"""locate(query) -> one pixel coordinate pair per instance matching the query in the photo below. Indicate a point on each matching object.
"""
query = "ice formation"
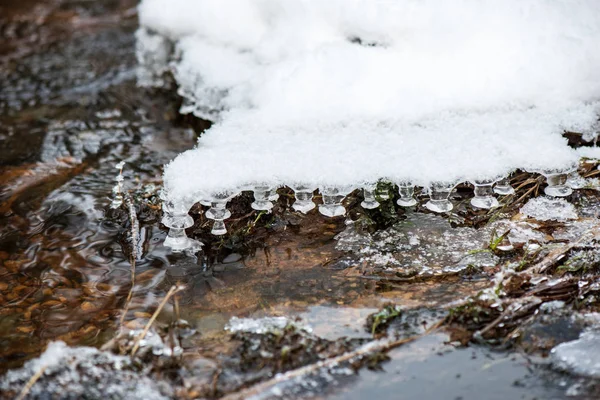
(549, 209)
(336, 95)
(260, 325)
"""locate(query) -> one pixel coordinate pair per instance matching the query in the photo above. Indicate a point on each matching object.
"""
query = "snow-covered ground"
(344, 92)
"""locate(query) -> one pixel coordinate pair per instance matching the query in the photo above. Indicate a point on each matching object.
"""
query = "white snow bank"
(341, 92)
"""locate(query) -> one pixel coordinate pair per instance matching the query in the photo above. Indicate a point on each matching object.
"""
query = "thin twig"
(174, 289)
(31, 382)
(133, 256)
(525, 183)
(593, 173)
(369, 348)
(527, 193)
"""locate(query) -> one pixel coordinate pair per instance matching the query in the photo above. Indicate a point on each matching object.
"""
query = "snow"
(581, 356)
(589, 152)
(342, 93)
(549, 209)
(84, 372)
(260, 325)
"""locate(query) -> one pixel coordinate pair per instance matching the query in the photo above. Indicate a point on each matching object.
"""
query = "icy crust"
(153, 53)
(549, 209)
(260, 326)
(338, 93)
(83, 372)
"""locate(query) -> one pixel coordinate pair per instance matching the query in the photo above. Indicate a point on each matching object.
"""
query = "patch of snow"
(549, 209)
(589, 152)
(257, 325)
(341, 93)
(84, 372)
(581, 356)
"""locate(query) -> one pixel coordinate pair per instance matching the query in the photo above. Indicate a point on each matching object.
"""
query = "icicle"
(438, 201)
(118, 188)
(219, 212)
(503, 187)
(484, 194)
(262, 197)
(576, 181)
(177, 219)
(407, 192)
(557, 184)
(273, 197)
(332, 201)
(304, 198)
(369, 193)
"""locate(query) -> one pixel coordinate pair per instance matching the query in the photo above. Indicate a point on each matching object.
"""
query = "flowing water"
(70, 111)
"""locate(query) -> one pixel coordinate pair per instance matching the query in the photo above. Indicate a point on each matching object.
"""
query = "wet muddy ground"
(282, 291)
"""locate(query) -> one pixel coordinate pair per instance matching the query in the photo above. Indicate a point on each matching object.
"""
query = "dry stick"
(174, 289)
(593, 173)
(524, 310)
(527, 193)
(31, 382)
(371, 347)
(525, 183)
(133, 256)
(554, 256)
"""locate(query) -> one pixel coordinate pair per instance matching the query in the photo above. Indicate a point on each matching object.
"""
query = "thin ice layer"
(341, 92)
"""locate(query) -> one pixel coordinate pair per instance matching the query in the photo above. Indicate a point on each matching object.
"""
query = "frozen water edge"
(424, 99)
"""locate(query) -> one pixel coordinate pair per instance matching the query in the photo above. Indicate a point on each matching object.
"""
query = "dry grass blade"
(591, 174)
(31, 382)
(174, 289)
(529, 191)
